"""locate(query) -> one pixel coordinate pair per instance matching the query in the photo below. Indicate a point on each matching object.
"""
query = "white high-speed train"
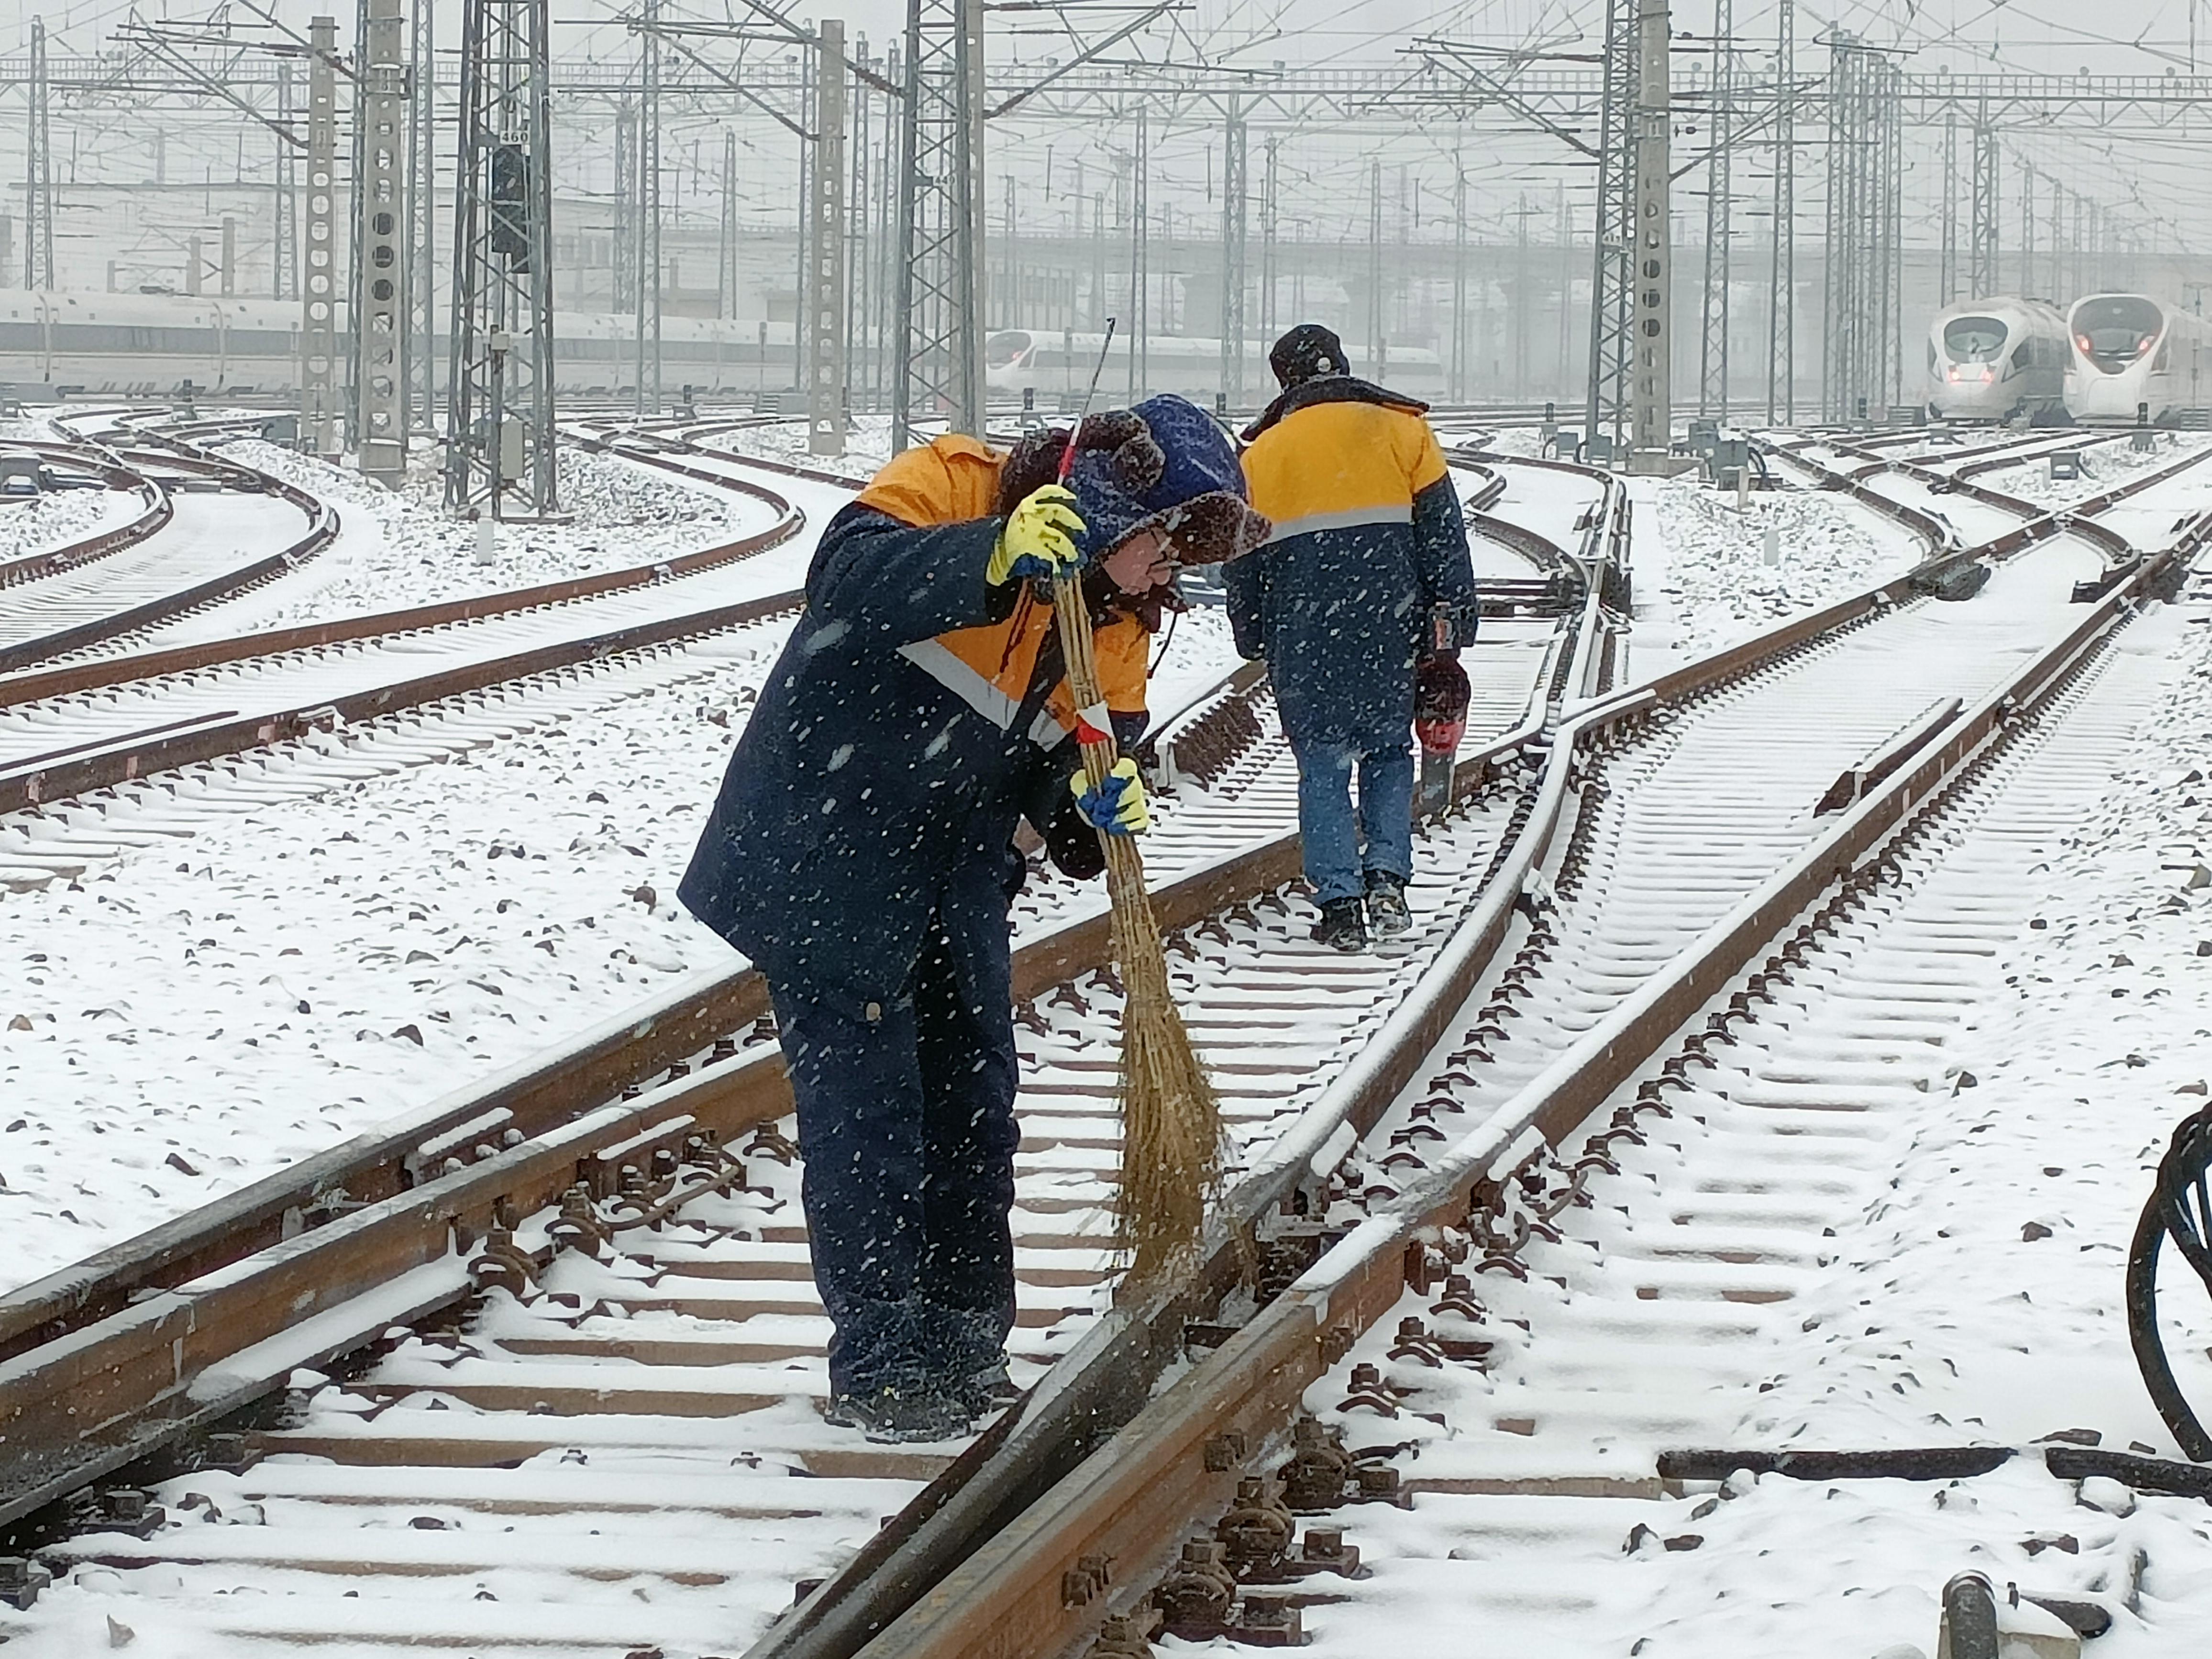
(1995, 359)
(108, 345)
(1053, 362)
(2134, 357)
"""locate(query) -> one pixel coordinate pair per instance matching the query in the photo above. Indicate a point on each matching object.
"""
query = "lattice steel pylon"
(938, 357)
(1984, 277)
(1613, 245)
(1782, 272)
(1713, 336)
(38, 170)
(380, 304)
(1859, 366)
(1233, 190)
(1947, 283)
(646, 262)
(499, 405)
(284, 257)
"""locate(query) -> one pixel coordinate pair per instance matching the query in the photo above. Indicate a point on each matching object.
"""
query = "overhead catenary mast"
(381, 308)
(499, 410)
(938, 355)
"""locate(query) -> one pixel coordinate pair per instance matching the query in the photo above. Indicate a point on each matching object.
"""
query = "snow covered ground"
(867, 445)
(2102, 467)
(190, 1019)
(1707, 575)
(37, 523)
(399, 549)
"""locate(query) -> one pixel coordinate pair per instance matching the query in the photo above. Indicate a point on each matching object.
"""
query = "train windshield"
(2114, 332)
(1005, 349)
(1974, 339)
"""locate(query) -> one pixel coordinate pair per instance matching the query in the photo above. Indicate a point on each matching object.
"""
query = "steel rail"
(99, 1372)
(154, 514)
(119, 1355)
(128, 758)
(968, 1517)
(2040, 523)
(322, 528)
(1093, 1544)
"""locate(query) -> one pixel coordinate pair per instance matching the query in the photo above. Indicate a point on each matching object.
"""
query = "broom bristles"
(1170, 1117)
(1170, 1120)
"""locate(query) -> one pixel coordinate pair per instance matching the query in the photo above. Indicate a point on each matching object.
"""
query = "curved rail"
(113, 760)
(1091, 1549)
(154, 514)
(122, 1301)
(166, 1362)
(179, 457)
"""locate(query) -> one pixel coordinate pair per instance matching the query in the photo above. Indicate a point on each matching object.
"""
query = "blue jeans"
(1342, 846)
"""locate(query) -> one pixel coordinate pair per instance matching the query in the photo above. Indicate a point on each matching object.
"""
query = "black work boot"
(897, 1416)
(1386, 905)
(1343, 924)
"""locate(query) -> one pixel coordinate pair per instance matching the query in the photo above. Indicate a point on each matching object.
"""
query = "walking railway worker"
(861, 853)
(1365, 578)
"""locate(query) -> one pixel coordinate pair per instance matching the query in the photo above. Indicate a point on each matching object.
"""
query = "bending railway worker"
(861, 853)
(1366, 575)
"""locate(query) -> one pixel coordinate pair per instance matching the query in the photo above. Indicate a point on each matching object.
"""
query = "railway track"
(1397, 1372)
(712, 1294)
(310, 707)
(211, 530)
(1249, 975)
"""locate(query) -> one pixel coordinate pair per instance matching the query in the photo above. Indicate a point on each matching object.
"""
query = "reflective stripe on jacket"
(951, 480)
(880, 770)
(1369, 539)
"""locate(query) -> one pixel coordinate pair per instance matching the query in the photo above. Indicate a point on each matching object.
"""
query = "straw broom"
(1170, 1118)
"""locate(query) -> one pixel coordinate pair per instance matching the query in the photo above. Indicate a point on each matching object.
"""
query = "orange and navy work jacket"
(955, 479)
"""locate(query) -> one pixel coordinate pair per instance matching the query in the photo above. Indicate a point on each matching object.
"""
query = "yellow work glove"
(1037, 538)
(1118, 806)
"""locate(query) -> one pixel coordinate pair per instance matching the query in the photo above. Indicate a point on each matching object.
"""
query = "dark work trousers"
(906, 1120)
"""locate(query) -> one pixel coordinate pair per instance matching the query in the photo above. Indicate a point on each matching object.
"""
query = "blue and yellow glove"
(1118, 806)
(1038, 538)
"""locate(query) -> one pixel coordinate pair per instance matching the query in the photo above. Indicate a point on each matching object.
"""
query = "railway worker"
(861, 853)
(1366, 575)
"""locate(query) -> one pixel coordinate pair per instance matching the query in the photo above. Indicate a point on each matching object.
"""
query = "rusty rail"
(322, 528)
(1090, 1546)
(105, 1361)
(76, 771)
(155, 515)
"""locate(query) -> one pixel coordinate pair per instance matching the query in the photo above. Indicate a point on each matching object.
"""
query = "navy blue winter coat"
(1368, 538)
